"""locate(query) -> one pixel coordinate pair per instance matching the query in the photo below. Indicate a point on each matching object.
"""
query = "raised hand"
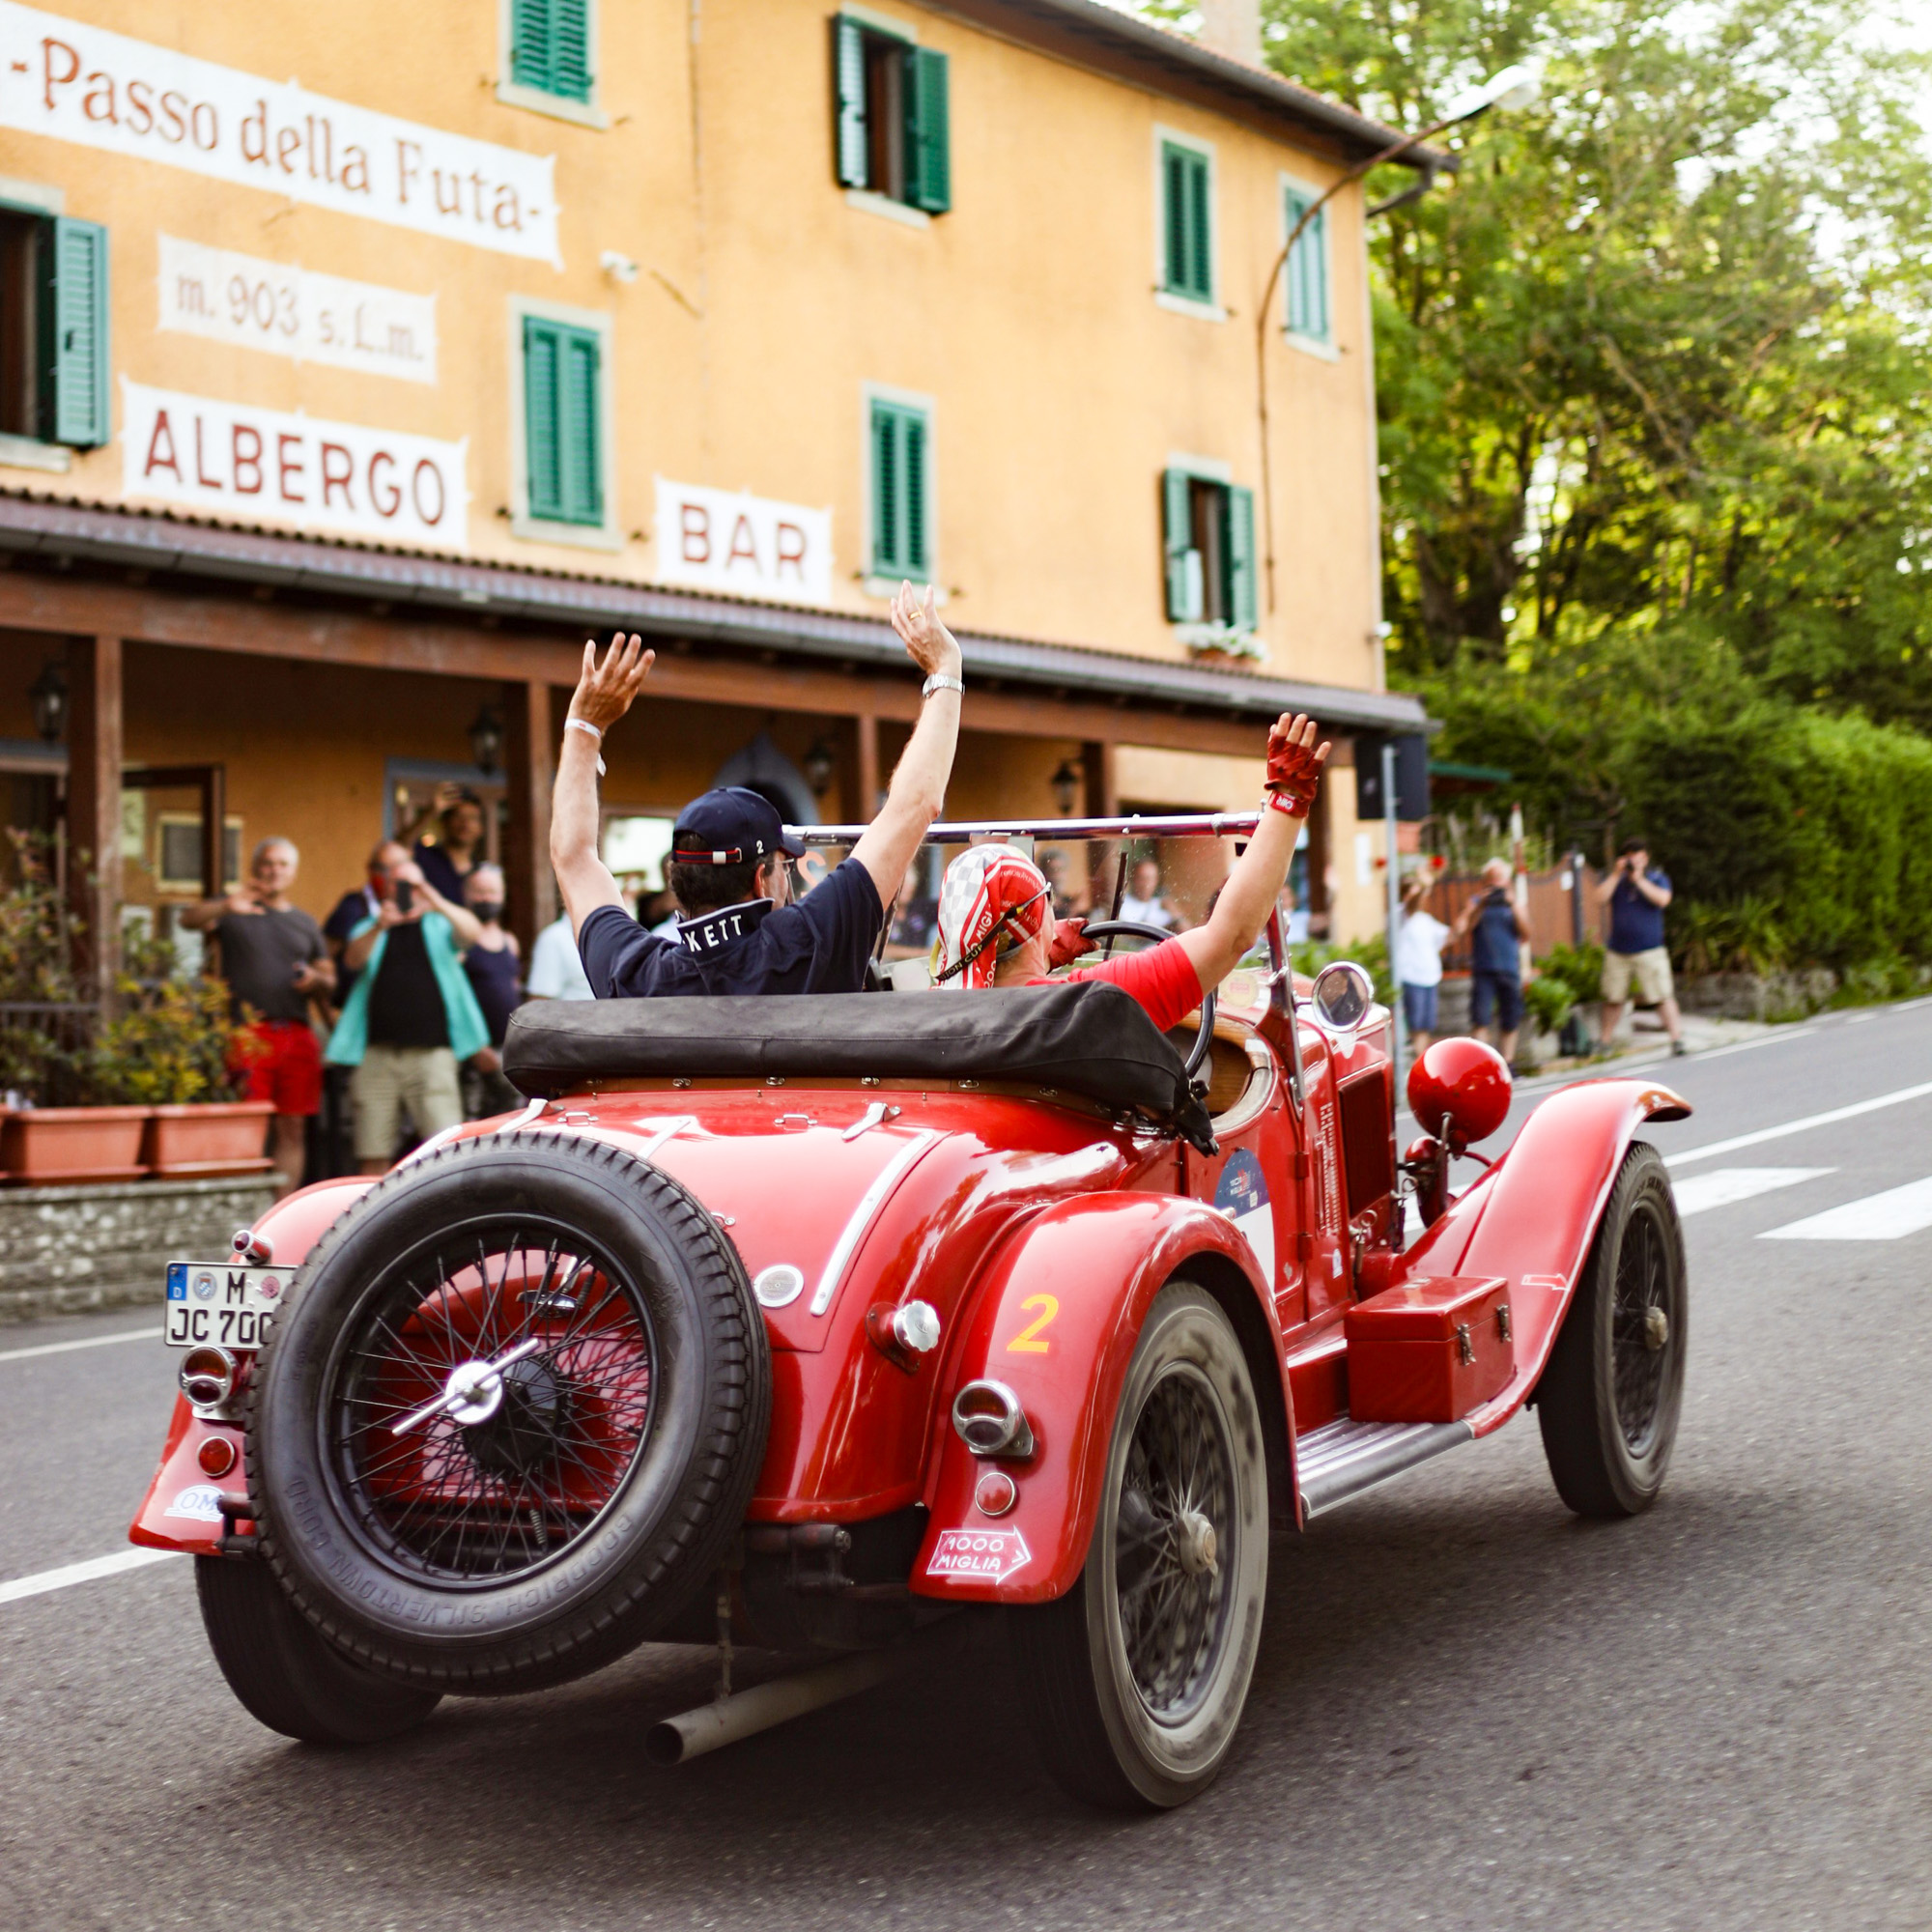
(933, 647)
(1295, 763)
(1069, 942)
(605, 690)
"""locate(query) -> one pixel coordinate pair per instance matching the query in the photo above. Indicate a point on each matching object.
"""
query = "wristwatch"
(940, 681)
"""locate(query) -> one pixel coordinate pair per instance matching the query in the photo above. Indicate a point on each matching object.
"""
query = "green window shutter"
(902, 492)
(848, 101)
(549, 46)
(1187, 224)
(1241, 559)
(74, 406)
(562, 422)
(1182, 560)
(1306, 290)
(928, 162)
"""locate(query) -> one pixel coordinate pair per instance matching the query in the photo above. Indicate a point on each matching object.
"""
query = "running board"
(1342, 1459)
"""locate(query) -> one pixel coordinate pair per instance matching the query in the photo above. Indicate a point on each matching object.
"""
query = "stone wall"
(1758, 996)
(66, 1249)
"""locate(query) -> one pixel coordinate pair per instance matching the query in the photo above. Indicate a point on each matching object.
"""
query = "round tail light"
(217, 1456)
(990, 1421)
(207, 1377)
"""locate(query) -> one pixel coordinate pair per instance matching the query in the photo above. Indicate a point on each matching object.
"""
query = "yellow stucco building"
(355, 362)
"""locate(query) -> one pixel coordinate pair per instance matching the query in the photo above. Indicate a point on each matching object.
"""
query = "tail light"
(990, 1421)
(208, 1377)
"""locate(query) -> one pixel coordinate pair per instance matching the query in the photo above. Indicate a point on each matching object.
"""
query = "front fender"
(1533, 1216)
(1056, 1322)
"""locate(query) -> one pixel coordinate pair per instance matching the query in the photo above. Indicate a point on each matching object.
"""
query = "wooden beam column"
(530, 766)
(94, 742)
(1101, 798)
(864, 808)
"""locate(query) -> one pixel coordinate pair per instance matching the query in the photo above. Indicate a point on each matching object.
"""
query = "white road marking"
(92, 1342)
(1859, 1020)
(83, 1573)
(1799, 1127)
(1725, 1185)
(1879, 1217)
(1702, 1054)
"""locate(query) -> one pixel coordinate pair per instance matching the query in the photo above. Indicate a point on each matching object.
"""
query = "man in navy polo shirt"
(739, 929)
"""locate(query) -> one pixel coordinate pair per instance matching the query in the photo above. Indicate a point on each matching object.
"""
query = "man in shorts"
(1495, 957)
(274, 961)
(1637, 893)
(996, 927)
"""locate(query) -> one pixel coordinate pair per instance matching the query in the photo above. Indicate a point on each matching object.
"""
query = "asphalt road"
(1470, 1710)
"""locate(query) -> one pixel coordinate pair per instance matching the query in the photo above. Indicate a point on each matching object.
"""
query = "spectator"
(494, 967)
(556, 972)
(274, 961)
(457, 849)
(1495, 986)
(411, 1016)
(1419, 941)
(353, 910)
(1637, 893)
(1143, 901)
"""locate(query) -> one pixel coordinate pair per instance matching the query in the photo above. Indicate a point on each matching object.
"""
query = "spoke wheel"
(517, 1463)
(1135, 1680)
(1609, 1399)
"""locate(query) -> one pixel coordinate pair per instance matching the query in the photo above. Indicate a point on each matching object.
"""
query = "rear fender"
(1056, 1322)
(1533, 1216)
(298, 1220)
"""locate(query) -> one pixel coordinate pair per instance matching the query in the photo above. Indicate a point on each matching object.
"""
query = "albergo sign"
(75, 82)
(265, 465)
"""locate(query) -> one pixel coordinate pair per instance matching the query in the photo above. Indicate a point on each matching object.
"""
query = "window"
(563, 425)
(1210, 531)
(890, 108)
(548, 49)
(53, 329)
(1306, 280)
(901, 490)
(1187, 221)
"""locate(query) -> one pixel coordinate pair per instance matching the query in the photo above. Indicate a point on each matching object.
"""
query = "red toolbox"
(1431, 1351)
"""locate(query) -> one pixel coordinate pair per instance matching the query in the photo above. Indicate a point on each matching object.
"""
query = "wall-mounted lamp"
(1066, 783)
(819, 767)
(48, 694)
(486, 741)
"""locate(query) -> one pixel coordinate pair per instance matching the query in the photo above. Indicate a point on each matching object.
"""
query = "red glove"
(1294, 771)
(1068, 943)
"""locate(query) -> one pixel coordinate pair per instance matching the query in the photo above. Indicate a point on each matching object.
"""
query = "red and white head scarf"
(992, 899)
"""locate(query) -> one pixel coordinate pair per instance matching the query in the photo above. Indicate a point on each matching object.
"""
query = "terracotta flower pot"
(207, 1137)
(45, 1145)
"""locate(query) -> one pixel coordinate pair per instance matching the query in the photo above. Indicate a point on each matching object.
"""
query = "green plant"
(1577, 969)
(1371, 954)
(1547, 1002)
(171, 1039)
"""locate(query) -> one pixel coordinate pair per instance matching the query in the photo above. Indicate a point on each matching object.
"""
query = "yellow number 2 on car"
(1027, 1341)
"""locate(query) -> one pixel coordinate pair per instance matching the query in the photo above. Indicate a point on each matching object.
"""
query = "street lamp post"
(1513, 87)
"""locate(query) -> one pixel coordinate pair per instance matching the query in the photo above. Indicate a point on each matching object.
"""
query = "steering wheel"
(1133, 929)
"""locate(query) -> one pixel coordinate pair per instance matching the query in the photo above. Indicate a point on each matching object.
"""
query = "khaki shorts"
(421, 1078)
(1650, 970)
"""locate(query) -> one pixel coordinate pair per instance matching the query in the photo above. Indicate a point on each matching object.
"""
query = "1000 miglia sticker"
(1243, 1196)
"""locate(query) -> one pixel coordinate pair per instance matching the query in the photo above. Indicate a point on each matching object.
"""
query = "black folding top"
(1091, 1039)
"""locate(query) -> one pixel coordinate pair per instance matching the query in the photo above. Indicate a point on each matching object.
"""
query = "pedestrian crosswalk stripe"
(1724, 1185)
(1879, 1217)
(81, 1572)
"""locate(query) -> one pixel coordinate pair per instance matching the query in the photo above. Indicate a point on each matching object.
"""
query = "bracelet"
(940, 681)
(585, 724)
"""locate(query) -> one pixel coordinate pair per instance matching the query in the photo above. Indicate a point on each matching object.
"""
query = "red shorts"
(279, 1061)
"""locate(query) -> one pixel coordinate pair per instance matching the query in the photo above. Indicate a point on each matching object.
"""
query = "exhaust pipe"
(746, 1713)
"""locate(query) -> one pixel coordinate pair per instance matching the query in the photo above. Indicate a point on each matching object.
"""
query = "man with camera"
(1637, 893)
(1495, 957)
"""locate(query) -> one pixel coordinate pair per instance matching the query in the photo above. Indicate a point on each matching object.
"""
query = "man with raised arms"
(739, 928)
(996, 925)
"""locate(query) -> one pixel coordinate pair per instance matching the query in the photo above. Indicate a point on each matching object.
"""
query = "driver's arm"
(917, 788)
(604, 694)
(1216, 946)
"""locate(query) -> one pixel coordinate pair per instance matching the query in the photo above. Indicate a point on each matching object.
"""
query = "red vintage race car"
(812, 1322)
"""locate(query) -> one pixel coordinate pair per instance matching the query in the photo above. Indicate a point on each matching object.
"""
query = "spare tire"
(509, 1421)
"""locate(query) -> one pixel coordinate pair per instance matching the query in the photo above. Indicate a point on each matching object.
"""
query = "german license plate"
(217, 1303)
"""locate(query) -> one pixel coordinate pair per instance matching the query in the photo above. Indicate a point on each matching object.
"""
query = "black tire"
(286, 1673)
(539, 1532)
(1142, 1719)
(1609, 1399)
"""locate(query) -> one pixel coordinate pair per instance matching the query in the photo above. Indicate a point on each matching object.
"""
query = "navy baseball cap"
(730, 826)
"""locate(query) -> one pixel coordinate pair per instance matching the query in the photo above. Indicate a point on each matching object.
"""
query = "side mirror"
(1343, 997)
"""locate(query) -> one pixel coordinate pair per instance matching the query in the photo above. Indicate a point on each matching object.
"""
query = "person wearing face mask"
(494, 967)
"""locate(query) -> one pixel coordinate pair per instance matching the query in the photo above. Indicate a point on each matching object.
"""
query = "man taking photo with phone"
(1637, 893)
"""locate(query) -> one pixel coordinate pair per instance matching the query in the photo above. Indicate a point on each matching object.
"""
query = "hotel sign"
(742, 546)
(235, 462)
(77, 82)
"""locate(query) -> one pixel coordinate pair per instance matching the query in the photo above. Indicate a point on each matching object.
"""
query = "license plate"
(216, 1302)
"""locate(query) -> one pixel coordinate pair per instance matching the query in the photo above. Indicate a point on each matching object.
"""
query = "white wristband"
(585, 724)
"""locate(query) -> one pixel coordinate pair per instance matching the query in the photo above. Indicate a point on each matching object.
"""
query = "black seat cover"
(1090, 1039)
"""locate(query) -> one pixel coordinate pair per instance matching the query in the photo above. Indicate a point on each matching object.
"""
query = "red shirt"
(1162, 978)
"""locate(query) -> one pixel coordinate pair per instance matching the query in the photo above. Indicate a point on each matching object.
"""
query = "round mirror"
(1343, 995)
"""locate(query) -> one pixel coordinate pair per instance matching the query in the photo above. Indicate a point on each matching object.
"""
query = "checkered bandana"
(992, 899)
